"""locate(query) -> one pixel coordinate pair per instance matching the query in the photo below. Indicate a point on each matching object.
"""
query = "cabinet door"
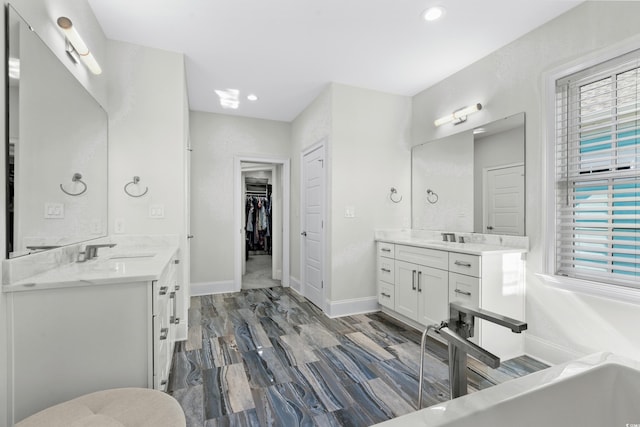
(433, 291)
(466, 290)
(406, 289)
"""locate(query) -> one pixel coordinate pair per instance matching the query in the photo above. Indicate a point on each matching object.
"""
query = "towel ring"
(394, 191)
(432, 196)
(77, 177)
(136, 180)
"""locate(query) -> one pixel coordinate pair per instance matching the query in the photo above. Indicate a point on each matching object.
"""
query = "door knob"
(190, 236)
(304, 233)
(489, 227)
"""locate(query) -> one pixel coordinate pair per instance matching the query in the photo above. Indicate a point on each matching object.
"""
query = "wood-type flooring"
(269, 357)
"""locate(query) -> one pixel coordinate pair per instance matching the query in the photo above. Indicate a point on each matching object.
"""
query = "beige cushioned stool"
(139, 407)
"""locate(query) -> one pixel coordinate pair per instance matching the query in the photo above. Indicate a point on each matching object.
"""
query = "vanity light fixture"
(75, 43)
(458, 116)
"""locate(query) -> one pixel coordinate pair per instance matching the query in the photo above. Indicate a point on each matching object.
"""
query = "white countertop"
(113, 265)
(426, 240)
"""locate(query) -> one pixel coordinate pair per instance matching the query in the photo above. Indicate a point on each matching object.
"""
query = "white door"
(312, 235)
(504, 202)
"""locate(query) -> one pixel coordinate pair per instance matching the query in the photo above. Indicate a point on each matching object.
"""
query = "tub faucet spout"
(457, 331)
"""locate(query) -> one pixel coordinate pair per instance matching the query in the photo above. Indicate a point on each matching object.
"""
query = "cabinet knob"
(176, 261)
(163, 290)
(385, 295)
(386, 270)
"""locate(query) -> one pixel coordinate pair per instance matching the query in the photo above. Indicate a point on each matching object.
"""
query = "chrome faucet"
(91, 251)
(456, 331)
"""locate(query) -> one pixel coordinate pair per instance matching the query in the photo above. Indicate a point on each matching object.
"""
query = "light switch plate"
(54, 210)
(350, 212)
(156, 211)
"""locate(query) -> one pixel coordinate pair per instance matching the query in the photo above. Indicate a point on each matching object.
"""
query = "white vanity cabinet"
(75, 338)
(425, 280)
(421, 283)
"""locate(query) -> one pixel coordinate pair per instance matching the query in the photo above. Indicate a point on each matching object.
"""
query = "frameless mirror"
(472, 181)
(56, 149)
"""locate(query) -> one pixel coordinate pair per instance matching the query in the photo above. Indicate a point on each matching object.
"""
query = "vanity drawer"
(386, 295)
(423, 256)
(386, 250)
(464, 264)
(464, 289)
(386, 271)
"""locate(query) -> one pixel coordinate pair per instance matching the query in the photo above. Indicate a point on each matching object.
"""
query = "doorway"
(262, 210)
(262, 219)
(312, 202)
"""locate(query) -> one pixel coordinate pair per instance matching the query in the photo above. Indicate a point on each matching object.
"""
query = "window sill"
(613, 292)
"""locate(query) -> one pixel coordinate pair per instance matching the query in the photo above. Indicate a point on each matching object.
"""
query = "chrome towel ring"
(136, 180)
(432, 197)
(77, 177)
(394, 192)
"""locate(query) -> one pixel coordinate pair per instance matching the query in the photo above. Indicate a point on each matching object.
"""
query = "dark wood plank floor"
(268, 357)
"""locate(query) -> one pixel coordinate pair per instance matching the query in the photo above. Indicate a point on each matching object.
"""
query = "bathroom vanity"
(418, 276)
(86, 326)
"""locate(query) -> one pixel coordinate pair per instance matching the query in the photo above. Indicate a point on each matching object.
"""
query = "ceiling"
(287, 51)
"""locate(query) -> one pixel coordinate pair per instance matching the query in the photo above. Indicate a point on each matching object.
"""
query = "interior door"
(312, 235)
(504, 204)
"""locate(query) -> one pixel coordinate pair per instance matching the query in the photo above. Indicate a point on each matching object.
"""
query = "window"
(598, 173)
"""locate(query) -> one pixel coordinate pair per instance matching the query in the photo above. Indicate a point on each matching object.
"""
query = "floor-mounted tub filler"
(600, 390)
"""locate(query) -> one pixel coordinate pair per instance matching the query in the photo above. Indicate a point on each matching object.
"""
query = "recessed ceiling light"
(252, 97)
(433, 13)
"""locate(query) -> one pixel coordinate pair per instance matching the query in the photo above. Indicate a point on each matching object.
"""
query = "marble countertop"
(475, 244)
(113, 265)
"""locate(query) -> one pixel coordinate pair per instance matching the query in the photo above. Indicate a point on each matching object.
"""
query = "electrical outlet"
(118, 227)
(156, 211)
(349, 212)
(54, 210)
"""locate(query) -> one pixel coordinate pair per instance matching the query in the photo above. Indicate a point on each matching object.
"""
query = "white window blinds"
(597, 173)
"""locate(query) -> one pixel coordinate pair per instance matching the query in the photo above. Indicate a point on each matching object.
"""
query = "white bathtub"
(601, 390)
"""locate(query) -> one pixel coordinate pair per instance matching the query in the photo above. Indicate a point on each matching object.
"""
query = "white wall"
(146, 138)
(369, 154)
(311, 126)
(216, 140)
(561, 324)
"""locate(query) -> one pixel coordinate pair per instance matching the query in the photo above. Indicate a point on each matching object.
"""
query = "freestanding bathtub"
(600, 390)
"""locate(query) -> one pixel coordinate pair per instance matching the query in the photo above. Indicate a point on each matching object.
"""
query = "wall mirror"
(472, 181)
(56, 149)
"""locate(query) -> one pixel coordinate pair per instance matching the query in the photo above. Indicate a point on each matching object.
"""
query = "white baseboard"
(547, 351)
(208, 288)
(295, 285)
(350, 307)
